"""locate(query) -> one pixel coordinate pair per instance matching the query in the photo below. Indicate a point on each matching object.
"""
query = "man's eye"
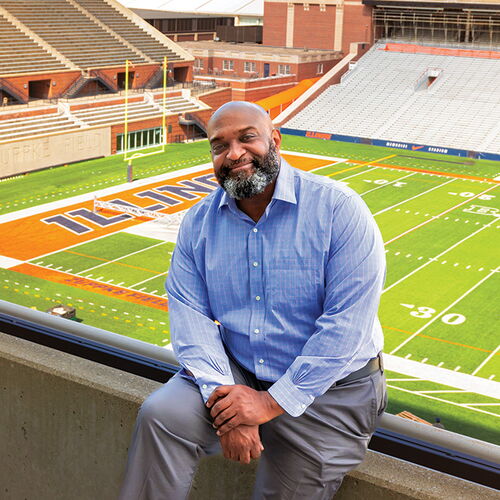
(247, 137)
(217, 148)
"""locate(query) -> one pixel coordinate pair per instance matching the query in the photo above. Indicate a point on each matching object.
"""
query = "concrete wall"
(57, 149)
(65, 425)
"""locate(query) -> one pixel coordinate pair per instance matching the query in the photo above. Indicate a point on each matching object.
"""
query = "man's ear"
(276, 138)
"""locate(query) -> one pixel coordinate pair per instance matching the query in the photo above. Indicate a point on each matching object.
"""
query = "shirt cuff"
(208, 386)
(289, 396)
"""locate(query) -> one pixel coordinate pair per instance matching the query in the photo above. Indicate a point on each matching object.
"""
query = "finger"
(217, 393)
(228, 425)
(245, 457)
(221, 405)
(227, 414)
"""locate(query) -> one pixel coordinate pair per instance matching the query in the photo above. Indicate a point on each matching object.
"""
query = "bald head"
(239, 110)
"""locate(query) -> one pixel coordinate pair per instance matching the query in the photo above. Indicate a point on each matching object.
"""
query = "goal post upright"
(128, 159)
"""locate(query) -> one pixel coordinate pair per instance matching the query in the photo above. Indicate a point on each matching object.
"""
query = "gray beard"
(241, 186)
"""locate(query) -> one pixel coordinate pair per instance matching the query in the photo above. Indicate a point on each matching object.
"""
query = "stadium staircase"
(382, 99)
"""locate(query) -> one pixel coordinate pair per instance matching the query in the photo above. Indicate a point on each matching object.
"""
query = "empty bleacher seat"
(381, 100)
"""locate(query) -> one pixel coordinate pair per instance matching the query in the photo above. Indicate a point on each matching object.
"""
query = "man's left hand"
(233, 405)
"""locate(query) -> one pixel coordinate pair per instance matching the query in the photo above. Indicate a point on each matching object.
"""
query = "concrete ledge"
(65, 426)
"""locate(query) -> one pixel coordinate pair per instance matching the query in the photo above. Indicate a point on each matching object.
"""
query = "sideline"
(464, 381)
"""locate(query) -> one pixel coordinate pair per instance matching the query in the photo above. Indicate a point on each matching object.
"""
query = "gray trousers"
(305, 457)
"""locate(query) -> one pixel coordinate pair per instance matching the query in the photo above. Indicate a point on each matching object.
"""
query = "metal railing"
(16, 314)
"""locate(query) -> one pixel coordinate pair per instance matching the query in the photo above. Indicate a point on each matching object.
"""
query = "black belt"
(372, 366)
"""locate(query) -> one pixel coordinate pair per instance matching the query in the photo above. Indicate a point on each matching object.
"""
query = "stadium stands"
(32, 126)
(21, 55)
(141, 110)
(67, 117)
(382, 97)
(126, 28)
(78, 37)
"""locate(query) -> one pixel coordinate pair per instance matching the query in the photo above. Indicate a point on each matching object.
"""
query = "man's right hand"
(242, 443)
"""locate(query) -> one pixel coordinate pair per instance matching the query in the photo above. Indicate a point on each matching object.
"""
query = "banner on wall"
(391, 144)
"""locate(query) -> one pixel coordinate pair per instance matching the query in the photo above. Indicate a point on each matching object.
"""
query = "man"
(273, 292)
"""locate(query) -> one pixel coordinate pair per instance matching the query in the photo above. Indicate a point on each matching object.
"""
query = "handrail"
(441, 437)
(6, 85)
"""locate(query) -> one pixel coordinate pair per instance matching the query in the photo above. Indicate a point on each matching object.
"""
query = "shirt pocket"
(294, 281)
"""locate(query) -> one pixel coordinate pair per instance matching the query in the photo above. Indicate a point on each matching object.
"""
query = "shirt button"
(257, 298)
(303, 406)
(261, 361)
(255, 230)
(204, 386)
(255, 264)
(256, 330)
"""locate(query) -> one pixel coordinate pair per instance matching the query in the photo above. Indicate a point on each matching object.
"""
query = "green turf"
(62, 182)
(414, 159)
(455, 418)
(448, 255)
(108, 313)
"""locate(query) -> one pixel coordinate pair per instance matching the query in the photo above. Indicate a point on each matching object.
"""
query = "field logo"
(415, 148)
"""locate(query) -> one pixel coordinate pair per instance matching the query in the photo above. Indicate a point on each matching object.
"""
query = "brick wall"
(357, 25)
(313, 28)
(62, 82)
(26, 114)
(310, 70)
(217, 98)
(274, 32)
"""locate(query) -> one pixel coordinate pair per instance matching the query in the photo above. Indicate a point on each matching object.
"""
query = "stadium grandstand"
(445, 98)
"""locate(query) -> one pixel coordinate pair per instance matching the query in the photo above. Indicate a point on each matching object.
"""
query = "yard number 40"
(428, 312)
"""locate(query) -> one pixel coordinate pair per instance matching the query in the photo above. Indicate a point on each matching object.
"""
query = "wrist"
(274, 408)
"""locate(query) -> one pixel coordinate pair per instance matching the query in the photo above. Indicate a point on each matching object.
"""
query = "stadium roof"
(227, 7)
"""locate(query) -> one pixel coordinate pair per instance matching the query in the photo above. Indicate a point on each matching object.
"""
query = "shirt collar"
(284, 189)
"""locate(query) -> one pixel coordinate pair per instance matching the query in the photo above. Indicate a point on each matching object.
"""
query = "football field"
(440, 224)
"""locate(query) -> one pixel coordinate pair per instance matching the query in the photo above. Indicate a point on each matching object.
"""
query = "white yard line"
(413, 197)
(480, 404)
(457, 380)
(104, 283)
(122, 257)
(438, 316)
(433, 259)
(359, 173)
(152, 277)
(443, 391)
(434, 217)
(387, 184)
(443, 400)
(486, 360)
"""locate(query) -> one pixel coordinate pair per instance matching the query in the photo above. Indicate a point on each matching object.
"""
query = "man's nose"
(235, 150)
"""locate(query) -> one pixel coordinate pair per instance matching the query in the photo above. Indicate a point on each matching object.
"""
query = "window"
(250, 67)
(322, 7)
(227, 65)
(306, 6)
(198, 63)
(283, 69)
(140, 139)
(319, 69)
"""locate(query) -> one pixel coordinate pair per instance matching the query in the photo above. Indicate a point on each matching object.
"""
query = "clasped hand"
(237, 411)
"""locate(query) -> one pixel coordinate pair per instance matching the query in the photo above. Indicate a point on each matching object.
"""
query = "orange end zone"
(30, 237)
(117, 292)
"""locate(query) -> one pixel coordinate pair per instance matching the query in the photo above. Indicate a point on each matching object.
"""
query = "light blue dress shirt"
(296, 294)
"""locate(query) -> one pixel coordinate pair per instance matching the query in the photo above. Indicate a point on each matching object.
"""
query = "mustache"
(227, 168)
